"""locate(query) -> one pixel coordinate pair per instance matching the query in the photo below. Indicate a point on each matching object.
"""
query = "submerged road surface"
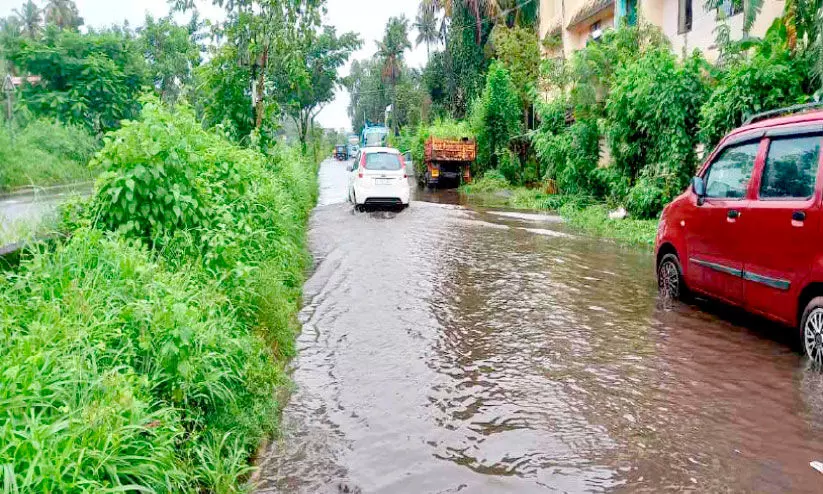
(451, 350)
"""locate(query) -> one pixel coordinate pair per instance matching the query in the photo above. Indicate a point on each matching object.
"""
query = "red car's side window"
(790, 171)
(728, 176)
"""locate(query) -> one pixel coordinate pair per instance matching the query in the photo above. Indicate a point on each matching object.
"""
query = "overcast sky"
(365, 17)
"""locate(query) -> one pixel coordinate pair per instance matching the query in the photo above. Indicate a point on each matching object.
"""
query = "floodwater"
(26, 211)
(446, 349)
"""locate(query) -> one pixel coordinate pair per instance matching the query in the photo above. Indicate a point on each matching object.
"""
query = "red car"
(748, 230)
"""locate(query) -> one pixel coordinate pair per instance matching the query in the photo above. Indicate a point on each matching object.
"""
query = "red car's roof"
(809, 116)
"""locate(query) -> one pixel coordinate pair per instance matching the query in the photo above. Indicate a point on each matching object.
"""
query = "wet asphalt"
(447, 348)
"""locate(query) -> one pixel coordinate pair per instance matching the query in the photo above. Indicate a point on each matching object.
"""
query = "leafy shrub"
(646, 199)
(569, 155)
(45, 153)
(148, 355)
(509, 166)
(752, 85)
(652, 113)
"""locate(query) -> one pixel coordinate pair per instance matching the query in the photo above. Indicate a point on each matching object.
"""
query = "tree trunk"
(258, 105)
(478, 28)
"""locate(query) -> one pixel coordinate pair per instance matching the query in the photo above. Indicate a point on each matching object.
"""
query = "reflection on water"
(449, 350)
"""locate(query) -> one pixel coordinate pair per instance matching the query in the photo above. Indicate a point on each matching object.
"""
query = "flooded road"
(446, 349)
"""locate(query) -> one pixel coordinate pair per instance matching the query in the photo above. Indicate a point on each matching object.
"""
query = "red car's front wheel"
(670, 277)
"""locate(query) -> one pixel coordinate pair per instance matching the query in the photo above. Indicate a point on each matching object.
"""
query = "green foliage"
(651, 93)
(466, 61)
(495, 117)
(44, 153)
(222, 99)
(90, 79)
(569, 155)
(588, 75)
(768, 79)
(371, 94)
(152, 352)
(304, 79)
(518, 50)
(646, 199)
(171, 52)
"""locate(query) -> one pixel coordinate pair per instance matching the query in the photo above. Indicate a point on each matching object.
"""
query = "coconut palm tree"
(30, 19)
(391, 51)
(63, 14)
(427, 29)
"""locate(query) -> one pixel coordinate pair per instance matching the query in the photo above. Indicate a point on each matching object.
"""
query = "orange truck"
(448, 161)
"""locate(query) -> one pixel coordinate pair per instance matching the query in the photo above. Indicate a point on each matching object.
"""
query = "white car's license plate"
(383, 181)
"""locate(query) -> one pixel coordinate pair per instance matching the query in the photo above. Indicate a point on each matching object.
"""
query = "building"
(567, 25)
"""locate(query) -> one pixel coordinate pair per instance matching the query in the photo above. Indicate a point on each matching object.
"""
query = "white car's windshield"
(382, 161)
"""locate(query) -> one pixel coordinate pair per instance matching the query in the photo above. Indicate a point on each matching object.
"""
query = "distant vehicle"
(341, 153)
(374, 136)
(378, 177)
(353, 144)
(448, 161)
(748, 230)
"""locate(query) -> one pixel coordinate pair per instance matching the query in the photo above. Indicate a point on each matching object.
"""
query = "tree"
(391, 51)
(31, 19)
(304, 74)
(370, 94)
(172, 53)
(517, 49)
(63, 14)
(88, 79)
(427, 29)
(496, 116)
(256, 29)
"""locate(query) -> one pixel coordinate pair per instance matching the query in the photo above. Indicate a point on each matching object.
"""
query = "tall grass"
(44, 153)
(144, 353)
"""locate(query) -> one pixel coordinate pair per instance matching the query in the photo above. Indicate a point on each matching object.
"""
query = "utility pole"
(8, 89)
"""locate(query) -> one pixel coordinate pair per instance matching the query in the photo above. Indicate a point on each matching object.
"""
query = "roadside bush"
(144, 353)
(568, 154)
(652, 114)
(752, 85)
(45, 153)
(646, 199)
(115, 369)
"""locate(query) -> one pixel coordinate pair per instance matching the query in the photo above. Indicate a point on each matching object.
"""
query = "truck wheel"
(811, 331)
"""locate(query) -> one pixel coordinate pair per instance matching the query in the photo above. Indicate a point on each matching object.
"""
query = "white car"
(378, 176)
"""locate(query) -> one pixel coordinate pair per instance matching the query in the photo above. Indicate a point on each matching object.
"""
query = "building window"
(684, 16)
(729, 8)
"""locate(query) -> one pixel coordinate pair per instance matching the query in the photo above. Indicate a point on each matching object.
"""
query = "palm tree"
(30, 18)
(63, 14)
(427, 29)
(391, 50)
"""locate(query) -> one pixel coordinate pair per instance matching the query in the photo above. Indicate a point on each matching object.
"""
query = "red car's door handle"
(799, 216)
(733, 214)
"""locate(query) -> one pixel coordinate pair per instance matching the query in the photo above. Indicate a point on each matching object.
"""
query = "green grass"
(44, 153)
(581, 212)
(150, 360)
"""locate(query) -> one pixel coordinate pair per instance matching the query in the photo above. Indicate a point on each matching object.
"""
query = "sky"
(368, 18)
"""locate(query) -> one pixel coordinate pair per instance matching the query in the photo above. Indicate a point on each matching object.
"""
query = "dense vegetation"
(623, 121)
(45, 153)
(146, 349)
(143, 351)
